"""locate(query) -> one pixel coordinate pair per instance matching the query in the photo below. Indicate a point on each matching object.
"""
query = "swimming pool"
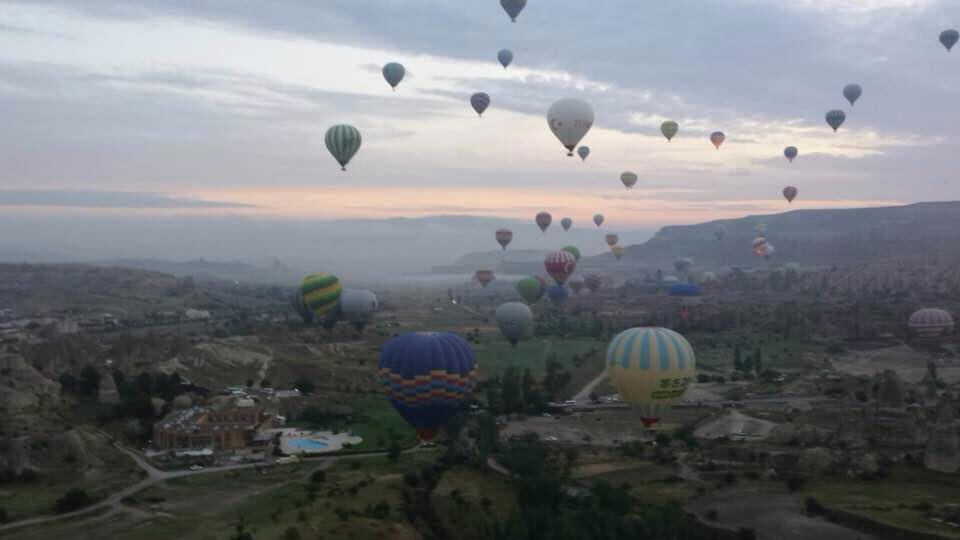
(307, 444)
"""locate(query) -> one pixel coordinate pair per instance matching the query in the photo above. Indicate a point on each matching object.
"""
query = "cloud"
(106, 199)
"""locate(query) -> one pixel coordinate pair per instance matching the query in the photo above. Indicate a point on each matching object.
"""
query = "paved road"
(584, 393)
(156, 476)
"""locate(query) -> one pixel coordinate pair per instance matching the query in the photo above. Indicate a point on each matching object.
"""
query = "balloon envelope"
(835, 118)
(790, 153)
(612, 239)
(573, 251)
(628, 178)
(342, 141)
(427, 376)
(684, 289)
(480, 101)
(583, 152)
(358, 306)
(504, 237)
(484, 277)
(598, 219)
(531, 289)
(566, 223)
(505, 56)
(852, 92)
(949, 38)
(669, 129)
(617, 251)
(321, 292)
(651, 368)
(570, 119)
(558, 294)
(513, 318)
(719, 232)
(513, 8)
(393, 73)
(717, 138)
(931, 323)
(543, 220)
(559, 265)
(790, 193)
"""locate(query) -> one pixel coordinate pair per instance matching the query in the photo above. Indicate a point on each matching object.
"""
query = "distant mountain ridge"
(825, 236)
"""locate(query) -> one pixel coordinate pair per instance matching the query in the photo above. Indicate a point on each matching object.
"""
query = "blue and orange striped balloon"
(650, 367)
(428, 376)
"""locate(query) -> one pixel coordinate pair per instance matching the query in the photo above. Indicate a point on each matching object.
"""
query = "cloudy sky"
(218, 107)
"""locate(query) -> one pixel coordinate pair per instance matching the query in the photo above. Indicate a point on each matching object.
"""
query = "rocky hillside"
(916, 232)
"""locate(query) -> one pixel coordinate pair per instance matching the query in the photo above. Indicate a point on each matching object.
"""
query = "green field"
(892, 500)
(494, 354)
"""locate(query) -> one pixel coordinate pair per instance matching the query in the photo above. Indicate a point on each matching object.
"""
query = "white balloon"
(570, 119)
(358, 306)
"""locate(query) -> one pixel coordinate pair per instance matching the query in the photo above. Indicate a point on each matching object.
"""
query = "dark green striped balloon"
(343, 141)
(321, 292)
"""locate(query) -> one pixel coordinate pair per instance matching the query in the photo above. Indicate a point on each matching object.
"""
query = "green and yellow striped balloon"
(343, 141)
(321, 292)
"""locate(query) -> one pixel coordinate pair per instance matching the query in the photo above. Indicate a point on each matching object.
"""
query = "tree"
(89, 383)
(266, 383)
(74, 499)
(758, 361)
(512, 394)
(394, 450)
(737, 358)
(240, 531)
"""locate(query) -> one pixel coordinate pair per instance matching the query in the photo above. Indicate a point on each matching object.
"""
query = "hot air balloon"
(789, 193)
(719, 232)
(427, 376)
(628, 178)
(531, 289)
(761, 228)
(505, 56)
(759, 242)
(669, 129)
(557, 294)
(393, 73)
(930, 324)
(670, 279)
(343, 141)
(358, 307)
(570, 119)
(617, 251)
(852, 92)
(583, 152)
(790, 152)
(573, 251)
(504, 237)
(480, 101)
(566, 223)
(543, 220)
(683, 264)
(835, 119)
(513, 318)
(764, 250)
(709, 277)
(598, 219)
(650, 367)
(576, 286)
(593, 282)
(949, 38)
(321, 292)
(484, 277)
(612, 239)
(717, 138)
(559, 265)
(513, 8)
(684, 289)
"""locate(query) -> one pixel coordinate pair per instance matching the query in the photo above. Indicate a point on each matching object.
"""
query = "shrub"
(73, 499)
(712, 514)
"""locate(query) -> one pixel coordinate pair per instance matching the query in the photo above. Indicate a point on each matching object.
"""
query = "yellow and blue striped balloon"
(650, 367)
(321, 292)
